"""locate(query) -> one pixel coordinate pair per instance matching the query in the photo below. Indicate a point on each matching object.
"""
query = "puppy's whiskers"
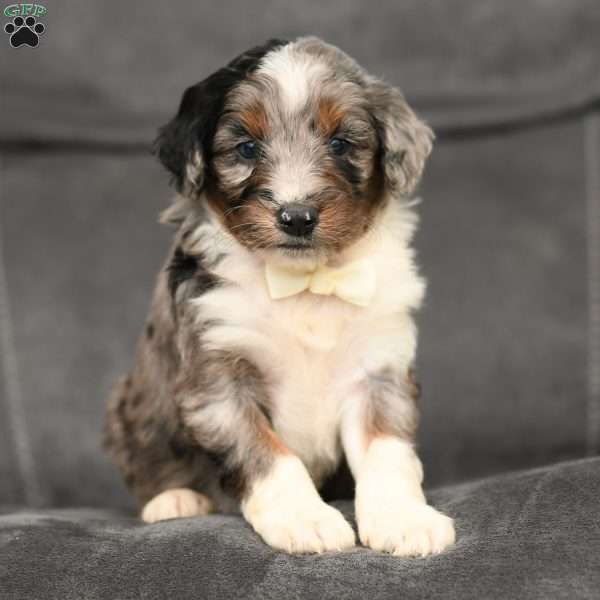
(240, 225)
(233, 209)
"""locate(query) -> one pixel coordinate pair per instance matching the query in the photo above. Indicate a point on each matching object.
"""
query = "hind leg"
(165, 473)
(176, 503)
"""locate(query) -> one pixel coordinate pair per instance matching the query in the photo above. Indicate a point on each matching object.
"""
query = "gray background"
(509, 240)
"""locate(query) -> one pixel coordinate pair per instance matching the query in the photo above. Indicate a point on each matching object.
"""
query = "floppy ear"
(405, 140)
(179, 144)
(184, 144)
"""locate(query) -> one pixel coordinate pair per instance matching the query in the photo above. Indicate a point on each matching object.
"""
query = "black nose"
(297, 219)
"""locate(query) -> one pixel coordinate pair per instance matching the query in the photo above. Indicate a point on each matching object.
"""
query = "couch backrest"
(509, 240)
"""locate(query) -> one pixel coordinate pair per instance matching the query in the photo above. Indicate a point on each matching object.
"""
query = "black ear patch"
(193, 127)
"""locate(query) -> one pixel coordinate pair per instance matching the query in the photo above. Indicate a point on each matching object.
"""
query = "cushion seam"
(592, 193)
(16, 419)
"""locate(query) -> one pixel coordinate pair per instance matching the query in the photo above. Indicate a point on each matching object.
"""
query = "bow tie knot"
(354, 282)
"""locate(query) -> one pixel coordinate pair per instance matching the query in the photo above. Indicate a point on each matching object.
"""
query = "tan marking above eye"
(255, 120)
(330, 116)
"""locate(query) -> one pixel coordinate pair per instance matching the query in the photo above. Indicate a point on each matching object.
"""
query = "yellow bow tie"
(354, 282)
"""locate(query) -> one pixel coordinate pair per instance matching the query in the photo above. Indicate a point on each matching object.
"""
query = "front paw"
(286, 510)
(409, 528)
(317, 527)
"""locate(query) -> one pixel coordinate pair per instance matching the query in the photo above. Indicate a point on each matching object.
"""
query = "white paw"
(176, 503)
(286, 510)
(408, 529)
(312, 528)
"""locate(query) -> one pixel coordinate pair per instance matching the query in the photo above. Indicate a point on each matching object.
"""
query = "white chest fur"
(310, 333)
(313, 350)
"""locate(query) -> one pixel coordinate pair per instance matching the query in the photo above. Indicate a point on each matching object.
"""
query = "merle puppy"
(280, 336)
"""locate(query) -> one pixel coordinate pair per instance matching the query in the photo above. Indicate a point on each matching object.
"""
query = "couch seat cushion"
(531, 534)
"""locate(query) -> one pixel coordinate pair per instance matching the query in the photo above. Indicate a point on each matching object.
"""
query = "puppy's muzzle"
(297, 220)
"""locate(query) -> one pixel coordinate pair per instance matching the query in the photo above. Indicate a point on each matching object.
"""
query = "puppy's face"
(295, 148)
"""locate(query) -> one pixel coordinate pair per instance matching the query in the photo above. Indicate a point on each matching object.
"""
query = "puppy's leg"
(176, 503)
(285, 508)
(391, 509)
(277, 496)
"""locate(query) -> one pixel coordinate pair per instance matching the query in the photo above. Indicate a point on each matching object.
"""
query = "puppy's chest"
(305, 406)
(299, 345)
(307, 334)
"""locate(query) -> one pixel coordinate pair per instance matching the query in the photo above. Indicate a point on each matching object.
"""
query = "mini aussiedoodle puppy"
(281, 334)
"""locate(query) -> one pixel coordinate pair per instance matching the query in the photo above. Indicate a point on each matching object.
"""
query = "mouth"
(299, 246)
(298, 252)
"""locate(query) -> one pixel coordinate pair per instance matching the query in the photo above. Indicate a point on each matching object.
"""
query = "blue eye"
(339, 146)
(248, 150)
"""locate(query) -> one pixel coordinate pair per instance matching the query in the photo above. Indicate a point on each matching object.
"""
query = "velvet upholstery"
(533, 535)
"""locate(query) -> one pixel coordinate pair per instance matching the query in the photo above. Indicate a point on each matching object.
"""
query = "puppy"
(281, 337)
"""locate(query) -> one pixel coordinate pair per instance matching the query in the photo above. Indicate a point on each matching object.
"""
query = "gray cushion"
(530, 535)
(504, 331)
(111, 71)
(503, 347)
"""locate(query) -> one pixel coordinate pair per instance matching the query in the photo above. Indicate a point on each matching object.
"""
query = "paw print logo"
(24, 32)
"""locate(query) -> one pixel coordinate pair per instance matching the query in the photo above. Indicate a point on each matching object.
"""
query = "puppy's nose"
(297, 219)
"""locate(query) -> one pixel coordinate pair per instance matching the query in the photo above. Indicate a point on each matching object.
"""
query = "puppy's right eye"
(248, 150)
(339, 146)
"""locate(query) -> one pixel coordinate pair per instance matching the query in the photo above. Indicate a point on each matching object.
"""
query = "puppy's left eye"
(339, 146)
(248, 150)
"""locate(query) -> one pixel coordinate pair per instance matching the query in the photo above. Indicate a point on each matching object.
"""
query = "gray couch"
(510, 334)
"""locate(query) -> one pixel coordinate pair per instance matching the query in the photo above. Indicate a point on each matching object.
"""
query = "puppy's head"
(295, 148)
